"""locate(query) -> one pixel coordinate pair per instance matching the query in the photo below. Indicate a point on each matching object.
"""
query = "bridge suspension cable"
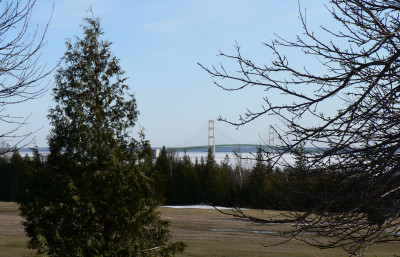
(226, 135)
(269, 140)
(195, 136)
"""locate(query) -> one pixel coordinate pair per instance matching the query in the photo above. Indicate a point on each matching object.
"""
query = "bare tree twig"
(357, 147)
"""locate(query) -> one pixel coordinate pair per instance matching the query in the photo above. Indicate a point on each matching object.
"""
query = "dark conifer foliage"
(16, 174)
(96, 196)
(185, 182)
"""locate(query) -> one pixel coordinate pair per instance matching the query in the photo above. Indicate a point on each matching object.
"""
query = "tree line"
(181, 181)
(15, 172)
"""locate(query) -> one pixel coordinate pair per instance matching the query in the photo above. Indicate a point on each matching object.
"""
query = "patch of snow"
(197, 207)
(241, 230)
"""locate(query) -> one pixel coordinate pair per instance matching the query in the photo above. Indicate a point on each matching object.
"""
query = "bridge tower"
(271, 141)
(211, 134)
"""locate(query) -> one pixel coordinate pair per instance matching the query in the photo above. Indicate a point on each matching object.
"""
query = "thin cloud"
(181, 15)
(67, 10)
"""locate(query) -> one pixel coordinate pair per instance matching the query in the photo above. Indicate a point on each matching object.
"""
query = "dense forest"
(16, 172)
(181, 181)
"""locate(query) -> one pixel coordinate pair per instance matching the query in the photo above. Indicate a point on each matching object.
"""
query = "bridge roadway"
(219, 148)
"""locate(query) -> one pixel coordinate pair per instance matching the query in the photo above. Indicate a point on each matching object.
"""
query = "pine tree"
(259, 185)
(97, 196)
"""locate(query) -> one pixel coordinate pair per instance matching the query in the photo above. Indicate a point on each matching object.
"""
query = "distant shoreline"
(246, 153)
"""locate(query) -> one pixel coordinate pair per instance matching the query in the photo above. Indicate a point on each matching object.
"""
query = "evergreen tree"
(14, 182)
(163, 176)
(211, 181)
(3, 178)
(97, 196)
(6, 180)
(190, 188)
(19, 168)
(259, 186)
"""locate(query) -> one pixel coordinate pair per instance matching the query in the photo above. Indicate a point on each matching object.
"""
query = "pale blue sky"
(159, 43)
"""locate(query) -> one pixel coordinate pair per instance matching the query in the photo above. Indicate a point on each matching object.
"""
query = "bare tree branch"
(21, 74)
(356, 148)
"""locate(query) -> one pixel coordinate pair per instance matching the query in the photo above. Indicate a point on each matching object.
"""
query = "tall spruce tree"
(96, 197)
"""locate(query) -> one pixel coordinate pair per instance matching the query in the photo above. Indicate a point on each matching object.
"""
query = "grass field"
(207, 233)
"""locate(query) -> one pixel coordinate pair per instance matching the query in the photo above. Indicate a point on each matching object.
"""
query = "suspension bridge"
(212, 127)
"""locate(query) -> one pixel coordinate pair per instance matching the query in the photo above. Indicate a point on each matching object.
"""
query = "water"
(245, 154)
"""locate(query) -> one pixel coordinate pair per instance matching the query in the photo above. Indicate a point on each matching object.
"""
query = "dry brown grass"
(12, 236)
(195, 226)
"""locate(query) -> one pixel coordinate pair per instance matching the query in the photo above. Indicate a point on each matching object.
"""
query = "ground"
(206, 231)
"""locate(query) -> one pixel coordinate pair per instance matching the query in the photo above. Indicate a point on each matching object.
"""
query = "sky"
(159, 43)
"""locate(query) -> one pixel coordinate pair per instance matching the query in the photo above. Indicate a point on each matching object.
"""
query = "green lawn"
(207, 233)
